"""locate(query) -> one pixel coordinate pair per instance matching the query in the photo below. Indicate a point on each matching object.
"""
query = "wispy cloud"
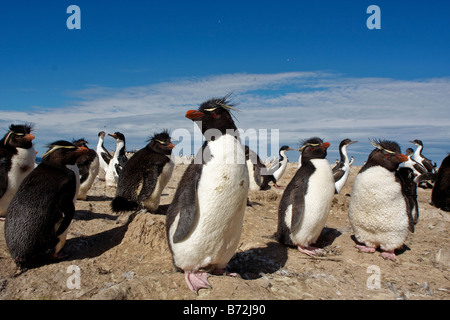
(299, 104)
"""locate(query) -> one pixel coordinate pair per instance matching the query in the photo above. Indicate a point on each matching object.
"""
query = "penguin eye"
(312, 148)
(214, 115)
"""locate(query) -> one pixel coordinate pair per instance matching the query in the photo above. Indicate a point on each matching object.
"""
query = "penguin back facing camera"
(41, 211)
(145, 175)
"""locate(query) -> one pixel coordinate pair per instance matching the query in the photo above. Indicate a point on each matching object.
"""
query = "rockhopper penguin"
(380, 212)
(17, 160)
(40, 213)
(306, 202)
(145, 175)
(204, 221)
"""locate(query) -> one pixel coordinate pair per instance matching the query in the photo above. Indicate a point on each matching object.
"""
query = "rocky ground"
(121, 258)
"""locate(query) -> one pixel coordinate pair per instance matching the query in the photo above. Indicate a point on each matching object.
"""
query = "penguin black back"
(141, 173)
(42, 209)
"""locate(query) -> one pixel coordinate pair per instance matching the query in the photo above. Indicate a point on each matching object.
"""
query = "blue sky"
(303, 67)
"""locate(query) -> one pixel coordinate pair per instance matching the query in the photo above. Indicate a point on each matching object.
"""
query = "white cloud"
(299, 104)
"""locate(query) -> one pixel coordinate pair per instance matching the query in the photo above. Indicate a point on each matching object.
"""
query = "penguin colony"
(204, 221)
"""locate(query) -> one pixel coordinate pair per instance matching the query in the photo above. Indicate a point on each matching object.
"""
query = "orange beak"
(193, 114)
(171, 146)
(402, 157)
(325, 145)
(82, 150)
(29, 136)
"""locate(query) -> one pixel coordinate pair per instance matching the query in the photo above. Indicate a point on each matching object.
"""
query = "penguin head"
(161, 143)
(214, 114)
(314, 148)
(62, 153)
(386, 154)
(118, 136)
(19, 136)
(81, 143)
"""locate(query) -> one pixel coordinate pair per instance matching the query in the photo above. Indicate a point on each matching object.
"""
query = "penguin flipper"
(185, 202)
(3, 176)
(298, 206)
(150, 180)
(66, 208)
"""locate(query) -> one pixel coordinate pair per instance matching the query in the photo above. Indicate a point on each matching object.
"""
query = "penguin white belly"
(341, 182)
(255, 179)
(152, 202)
(221, 202)
(317, 204)
(22, 164)
(377, 210)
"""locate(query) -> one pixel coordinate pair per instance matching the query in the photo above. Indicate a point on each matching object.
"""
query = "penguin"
(421, 158)
(88, 166)
(204, 221)
(145, 175)
(41, 211)
(118, 160)
(440, 195)
(342, 170)
(17, 160)
(104, 156)
(379, 212)
(306, 202)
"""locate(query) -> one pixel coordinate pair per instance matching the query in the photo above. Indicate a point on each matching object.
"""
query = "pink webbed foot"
(197, 280)
(363, 248)
(390, 255)
(278, 187)
(2, 218)
(309, 250)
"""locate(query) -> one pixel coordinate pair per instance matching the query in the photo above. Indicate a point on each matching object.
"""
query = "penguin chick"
(17, 160)
(145, 175)
(379, 212)
(306, 202)
(41, 211)
(204, 221)
(118, 160)
(88, 166)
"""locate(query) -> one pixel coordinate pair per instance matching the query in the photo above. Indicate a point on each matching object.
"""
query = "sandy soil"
(121, 258)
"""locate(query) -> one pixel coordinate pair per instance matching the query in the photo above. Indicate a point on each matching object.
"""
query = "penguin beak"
(402, 157)
(354, 142)
(171, 145)
(82, 150)
(29, 137)
(290, 149)
(325, 145)
(194, 114)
